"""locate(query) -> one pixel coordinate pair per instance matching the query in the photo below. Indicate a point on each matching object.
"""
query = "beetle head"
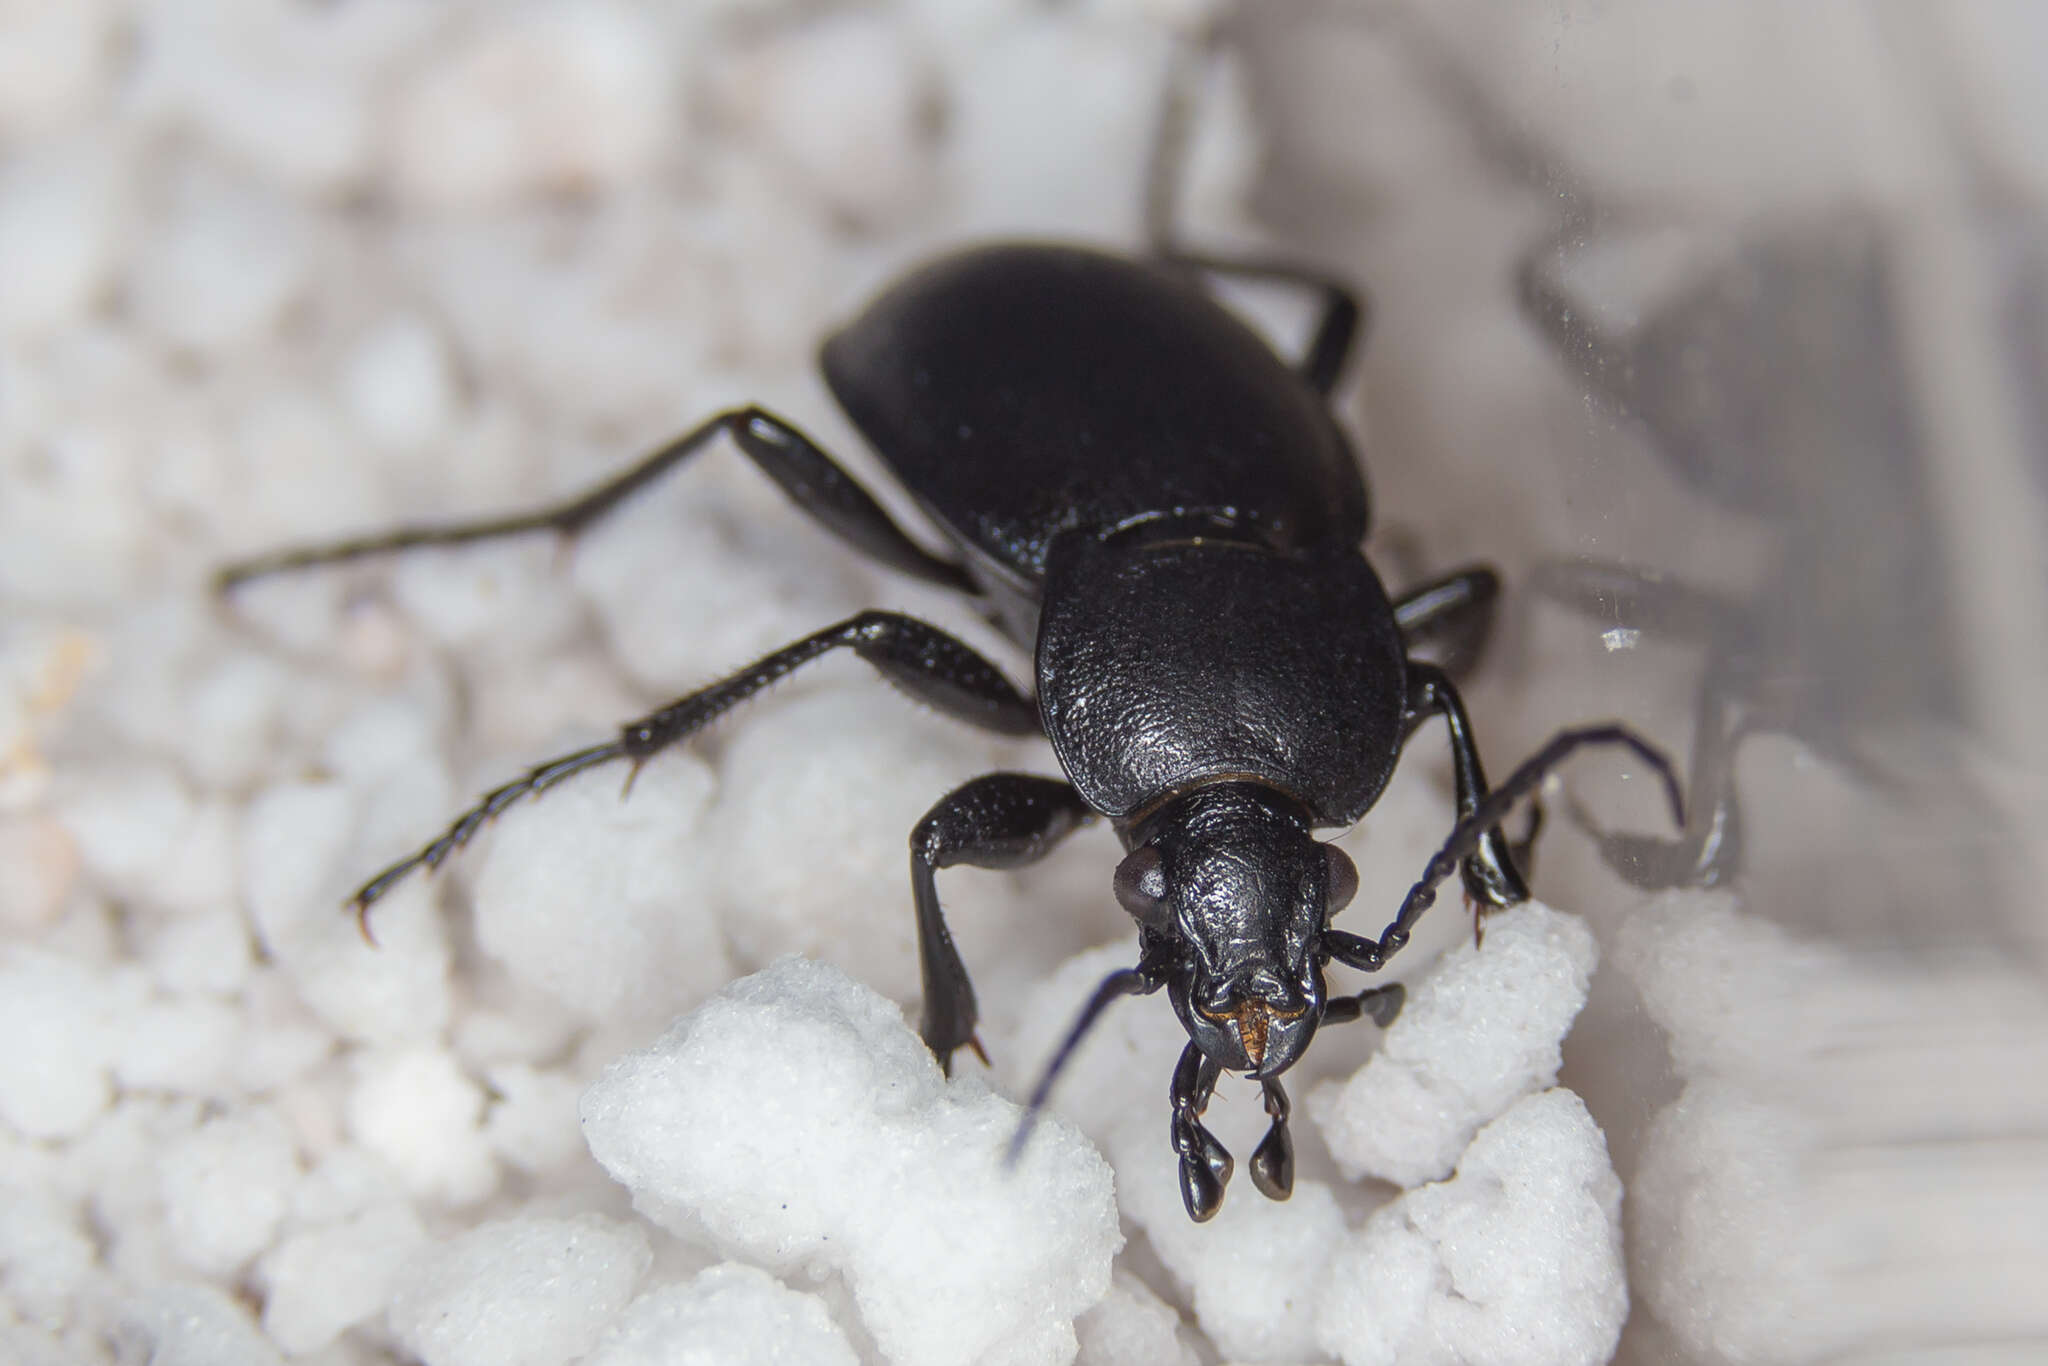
(1233, 892)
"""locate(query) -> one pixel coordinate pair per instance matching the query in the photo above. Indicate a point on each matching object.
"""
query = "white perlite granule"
(278, 271)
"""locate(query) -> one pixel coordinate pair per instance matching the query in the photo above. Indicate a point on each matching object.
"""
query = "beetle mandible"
(1140, 492)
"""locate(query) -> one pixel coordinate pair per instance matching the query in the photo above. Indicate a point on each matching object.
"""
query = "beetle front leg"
(1491, 878)
(1002, 820)
(1272, 1164)
(1204, 1162)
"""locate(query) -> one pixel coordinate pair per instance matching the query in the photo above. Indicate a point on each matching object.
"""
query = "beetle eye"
(1141, 885)
(1343, 879)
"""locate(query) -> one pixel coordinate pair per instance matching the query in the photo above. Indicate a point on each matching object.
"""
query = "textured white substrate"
(279, 271)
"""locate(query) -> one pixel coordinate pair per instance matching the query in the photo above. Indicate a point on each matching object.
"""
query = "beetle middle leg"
(1491, 878)
(1454, 613)
(1000, 820)
(922, 660)
(1343, 312)
(811, 478)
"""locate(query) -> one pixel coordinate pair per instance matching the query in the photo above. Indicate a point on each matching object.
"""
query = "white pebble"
(299, 863)
(221, 268)
(1120, 1072)
(193, 1325)
(204, 952)
(543, 100)
(399, 384)
(387, 736)
(1516, 1260)
(53, 1074)
(59, 232)
(1482, 1029)
(519, 1292)
(728, 1315)
(1132, 1327)
(799, 1122)
(234, 709)
(283, 1041)
(418, 1111)
(54, 59)
(1021, 106)
(226, 1187)
(533, 1122)
(182, 1045)
(38, 868)
(46, 1256)
(842, 104)
(850, 770)
(687, 591)
(321, 1282)
(1255, 1271)
(283, 88)
(128, 823)
(592, 896)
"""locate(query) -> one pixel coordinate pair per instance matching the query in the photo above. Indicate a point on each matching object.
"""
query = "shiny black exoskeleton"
(1167, 515)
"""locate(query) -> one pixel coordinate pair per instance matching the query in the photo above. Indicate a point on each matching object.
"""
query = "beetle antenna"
(1495, 806)
(1122, 982)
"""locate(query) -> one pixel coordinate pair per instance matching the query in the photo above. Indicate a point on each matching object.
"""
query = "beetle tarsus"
(1272, 1164)
(1205, 1163)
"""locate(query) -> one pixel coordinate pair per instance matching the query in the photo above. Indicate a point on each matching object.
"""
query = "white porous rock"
(1515, 1261)
(288, 91)
(532, 1122)
(1482, 1029)
(529, 1291)
(47, 1258)
(842, 104)
(184, 1045)
(728, 1315)
(1133, 1327)
(1254, 1272)
(594, 894)
(127, 823)
(226, 1188)
(59, 233)
(400, 384)
(38, 868)
(222, 267)
(53, 1076)
(54, 59)
(322, 1281)
(299, 861)
(795, 1120)
(539, 99)
(192, 1325)
(419, 1111)
(850, 770)
(1120, 1071)
(1019, 106)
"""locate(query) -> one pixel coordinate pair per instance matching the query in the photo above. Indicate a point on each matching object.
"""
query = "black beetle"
(1138, 490)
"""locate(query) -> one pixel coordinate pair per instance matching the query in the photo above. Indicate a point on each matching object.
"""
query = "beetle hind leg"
(811, 478)
(1343, 312)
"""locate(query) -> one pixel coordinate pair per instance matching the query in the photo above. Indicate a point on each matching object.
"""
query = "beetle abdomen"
(1023, 391)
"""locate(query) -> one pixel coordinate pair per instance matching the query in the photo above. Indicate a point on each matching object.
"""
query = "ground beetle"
(1138, 490)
